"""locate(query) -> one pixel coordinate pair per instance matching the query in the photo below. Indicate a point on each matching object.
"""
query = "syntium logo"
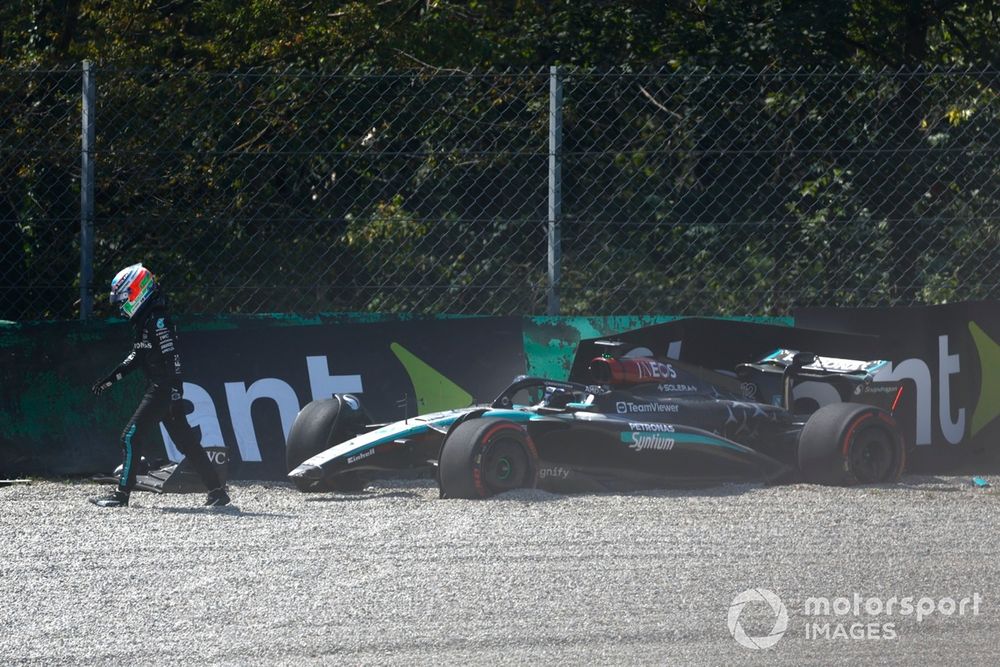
(953, 420)
(651, 441)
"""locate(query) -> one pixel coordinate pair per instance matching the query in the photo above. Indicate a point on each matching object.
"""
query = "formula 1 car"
(642, 421)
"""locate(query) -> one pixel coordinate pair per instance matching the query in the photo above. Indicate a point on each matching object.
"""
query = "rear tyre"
(319, 426)
(483, 457)
(849, 443)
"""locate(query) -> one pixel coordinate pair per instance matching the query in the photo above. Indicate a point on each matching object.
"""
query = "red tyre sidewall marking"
(893, 429)
(854, 427)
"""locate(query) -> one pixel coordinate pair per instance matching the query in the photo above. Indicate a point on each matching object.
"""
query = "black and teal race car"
(627, 419)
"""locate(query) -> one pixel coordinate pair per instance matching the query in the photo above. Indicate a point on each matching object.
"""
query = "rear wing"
(719, 344)
(793, 379)
(783, 358)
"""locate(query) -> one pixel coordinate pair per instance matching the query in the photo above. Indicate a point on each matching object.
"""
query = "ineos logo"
(777, 607)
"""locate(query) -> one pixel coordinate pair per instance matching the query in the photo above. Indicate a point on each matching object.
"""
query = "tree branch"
(958, 33)
(410, 56)
(337, 15)
(867, 48)
(373, 40)
(655, 103)
(68, 31)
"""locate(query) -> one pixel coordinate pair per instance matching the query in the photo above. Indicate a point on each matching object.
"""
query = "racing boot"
(217, 497)
(116, 499)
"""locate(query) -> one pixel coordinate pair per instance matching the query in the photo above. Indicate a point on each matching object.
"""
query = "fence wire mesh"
(714, 192)
(755, 193)
(39, 194)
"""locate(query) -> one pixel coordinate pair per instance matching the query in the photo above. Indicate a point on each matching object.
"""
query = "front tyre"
(320, 425)
(843, 444)
(483, 457)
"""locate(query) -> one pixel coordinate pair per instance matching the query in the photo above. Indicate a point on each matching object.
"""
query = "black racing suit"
(155, 350)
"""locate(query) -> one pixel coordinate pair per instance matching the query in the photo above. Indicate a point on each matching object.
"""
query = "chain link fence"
(39, 193)
(695, 191)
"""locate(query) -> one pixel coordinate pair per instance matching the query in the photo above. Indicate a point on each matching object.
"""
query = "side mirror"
(803, 359)
(788, 377)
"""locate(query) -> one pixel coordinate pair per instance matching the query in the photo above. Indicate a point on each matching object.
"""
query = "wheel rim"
(504, 469)
(872, 456)
(506, 465)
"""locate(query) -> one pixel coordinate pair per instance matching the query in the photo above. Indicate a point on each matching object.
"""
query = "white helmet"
(132, 288)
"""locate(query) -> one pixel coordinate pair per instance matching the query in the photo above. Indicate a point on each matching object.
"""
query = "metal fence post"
(88, 133)
(555, 187)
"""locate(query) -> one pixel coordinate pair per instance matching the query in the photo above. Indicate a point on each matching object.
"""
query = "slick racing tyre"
(319, 426)
(850, 443)
(482, 457)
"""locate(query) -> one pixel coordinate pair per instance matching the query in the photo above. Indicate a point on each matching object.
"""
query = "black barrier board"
(50, 423)
(247, 382)
(952, 355)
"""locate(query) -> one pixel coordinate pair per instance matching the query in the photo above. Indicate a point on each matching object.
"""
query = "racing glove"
(103, 385)
(177, 409)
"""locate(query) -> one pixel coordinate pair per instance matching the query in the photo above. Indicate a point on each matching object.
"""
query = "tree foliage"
(187, 137)
(225, 34)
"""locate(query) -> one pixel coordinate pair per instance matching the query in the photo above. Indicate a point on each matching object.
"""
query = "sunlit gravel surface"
(396, 576)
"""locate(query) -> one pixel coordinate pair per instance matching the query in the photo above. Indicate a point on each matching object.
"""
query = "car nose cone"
(307, 471)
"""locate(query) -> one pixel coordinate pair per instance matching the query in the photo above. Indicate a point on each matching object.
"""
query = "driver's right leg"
(151, 409)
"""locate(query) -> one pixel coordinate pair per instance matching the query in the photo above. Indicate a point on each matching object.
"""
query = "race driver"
(155, 349)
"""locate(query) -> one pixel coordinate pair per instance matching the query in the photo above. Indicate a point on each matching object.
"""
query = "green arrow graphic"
(434, 391)
(988, 407)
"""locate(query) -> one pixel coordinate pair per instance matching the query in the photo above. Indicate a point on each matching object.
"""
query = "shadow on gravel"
(528, 495)
(221, 511)
(930, 483)
(697, 492)
(417, 491)
(350, 497)
(540, 495)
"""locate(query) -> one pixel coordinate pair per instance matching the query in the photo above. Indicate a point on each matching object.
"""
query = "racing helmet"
(132, 288)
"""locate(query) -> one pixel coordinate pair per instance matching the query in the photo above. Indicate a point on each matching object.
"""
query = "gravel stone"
(396, 576)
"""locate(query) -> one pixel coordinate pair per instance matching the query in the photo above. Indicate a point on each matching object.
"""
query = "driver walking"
(154, 349)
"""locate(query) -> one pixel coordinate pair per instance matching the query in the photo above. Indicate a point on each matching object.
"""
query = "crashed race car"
(164, 476)
(639, 421)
